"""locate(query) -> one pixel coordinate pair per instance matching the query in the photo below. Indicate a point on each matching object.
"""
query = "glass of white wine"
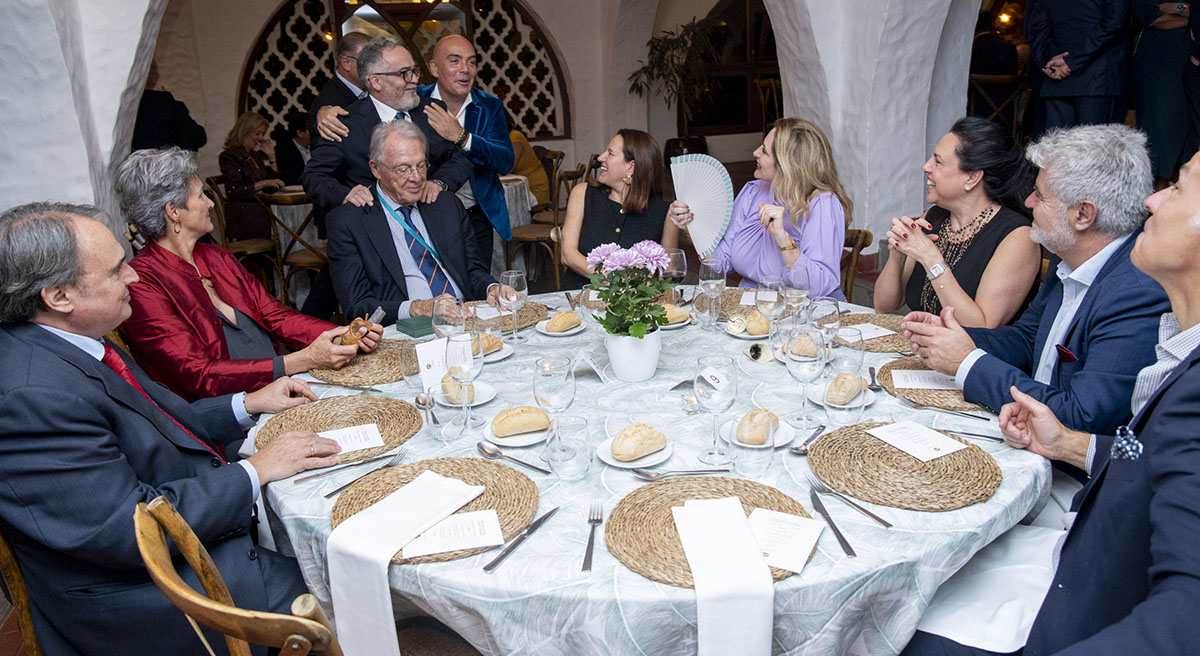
(514, 300)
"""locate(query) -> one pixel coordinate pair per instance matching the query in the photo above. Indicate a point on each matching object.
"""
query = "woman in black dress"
(248, 164)
(625, 207)
(972, 250)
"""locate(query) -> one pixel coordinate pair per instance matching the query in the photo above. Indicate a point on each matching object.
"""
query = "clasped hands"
(1057, 68)
(907, 236)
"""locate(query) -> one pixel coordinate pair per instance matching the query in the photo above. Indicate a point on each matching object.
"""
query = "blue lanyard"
(408, 228)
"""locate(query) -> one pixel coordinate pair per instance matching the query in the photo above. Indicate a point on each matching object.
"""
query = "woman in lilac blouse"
(794, 214)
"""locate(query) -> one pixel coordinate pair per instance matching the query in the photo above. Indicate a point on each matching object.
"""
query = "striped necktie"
(401, 116)
(438, 282)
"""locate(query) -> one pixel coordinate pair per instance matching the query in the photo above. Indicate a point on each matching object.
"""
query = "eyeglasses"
(404, 170)
(409, 74)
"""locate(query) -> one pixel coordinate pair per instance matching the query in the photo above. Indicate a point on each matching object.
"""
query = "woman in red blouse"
(201, 324)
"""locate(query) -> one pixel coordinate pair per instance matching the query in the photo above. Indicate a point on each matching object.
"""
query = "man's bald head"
(454, 64)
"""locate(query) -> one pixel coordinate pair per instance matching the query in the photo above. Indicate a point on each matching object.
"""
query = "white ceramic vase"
(634, 360)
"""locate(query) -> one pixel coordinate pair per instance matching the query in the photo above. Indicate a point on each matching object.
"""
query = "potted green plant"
(675, 69)
(627, 281)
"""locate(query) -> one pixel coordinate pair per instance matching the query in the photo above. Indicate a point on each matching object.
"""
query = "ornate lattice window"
(291, 58)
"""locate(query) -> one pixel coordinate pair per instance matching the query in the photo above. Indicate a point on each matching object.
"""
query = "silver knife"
(820, 507)
(998, 438)
(361, 388)
(533, 526)
(341, 468)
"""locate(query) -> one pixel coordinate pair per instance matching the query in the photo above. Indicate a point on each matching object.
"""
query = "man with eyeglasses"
(402, 251)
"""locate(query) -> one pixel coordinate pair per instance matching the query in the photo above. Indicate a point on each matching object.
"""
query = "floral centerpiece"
(627, 281)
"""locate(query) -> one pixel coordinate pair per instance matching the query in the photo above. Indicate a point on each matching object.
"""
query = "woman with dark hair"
(624, 207)
(972, 250)
(248, 164)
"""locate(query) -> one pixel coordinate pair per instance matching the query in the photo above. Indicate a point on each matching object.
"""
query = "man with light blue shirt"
(85, 436)
(402, 252)
(1093, 325)
(342, 89)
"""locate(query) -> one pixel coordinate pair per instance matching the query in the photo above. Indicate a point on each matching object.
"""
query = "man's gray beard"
(408, 105)
(1057, 240)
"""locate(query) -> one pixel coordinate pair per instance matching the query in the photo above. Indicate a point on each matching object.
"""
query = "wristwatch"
(439, 183)
(936, 270)
(1181, 8)
(790, 247)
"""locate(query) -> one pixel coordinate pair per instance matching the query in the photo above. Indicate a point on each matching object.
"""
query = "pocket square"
(1125, 445)
(1065, 354)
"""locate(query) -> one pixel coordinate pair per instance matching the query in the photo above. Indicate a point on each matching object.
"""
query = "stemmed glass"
(715, 385)
(516, 280)
(828, 319)
(676, 269)
(464, 363)
(554, 392)
(768, 298)
(795, 288)
(848, 355)
(712, 283)
(448, 316)
(804, 354)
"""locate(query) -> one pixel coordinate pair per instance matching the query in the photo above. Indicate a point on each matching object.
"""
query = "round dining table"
(540, 602)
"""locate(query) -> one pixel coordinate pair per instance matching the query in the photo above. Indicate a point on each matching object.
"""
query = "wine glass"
(826, 315)
(516, 280)
(676, 269)
(554, 392)
(804, 355)
(848, 354)
(448, 316)
(715, 384)
(464, 363)
(795, 288)
(768, 298)
(712, 283)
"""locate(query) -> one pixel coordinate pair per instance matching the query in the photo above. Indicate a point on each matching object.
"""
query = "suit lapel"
(379, 232)
(474, 117)
(443, 240)
(1090, 296)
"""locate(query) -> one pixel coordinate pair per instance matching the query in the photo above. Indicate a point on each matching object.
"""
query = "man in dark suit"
(342, 89)
(1091, 328)
(163, 121)
(402, 252)
(1082, 48)
(472, 120)
(85, 435)
(1128, 579)
(293, 152)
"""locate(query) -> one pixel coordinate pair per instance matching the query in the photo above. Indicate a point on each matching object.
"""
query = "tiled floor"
(10, 636)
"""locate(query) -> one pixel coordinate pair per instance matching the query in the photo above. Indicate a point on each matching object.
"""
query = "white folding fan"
(703, 183)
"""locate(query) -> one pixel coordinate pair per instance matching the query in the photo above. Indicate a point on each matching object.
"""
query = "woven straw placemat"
(885, 344)
(388, 363)
(528, 315)
(509, 492)
(669, 296)
(397, 421)
(731, 302)
(948, 399)
(861, 465)
(641, 533)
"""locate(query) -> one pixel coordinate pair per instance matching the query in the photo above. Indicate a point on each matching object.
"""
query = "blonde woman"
(794, 213)
(248, 164)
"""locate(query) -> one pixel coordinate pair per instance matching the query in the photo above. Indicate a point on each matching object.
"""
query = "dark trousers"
(927, 644)
(1084, 110)
(321, 302)
(483, 233)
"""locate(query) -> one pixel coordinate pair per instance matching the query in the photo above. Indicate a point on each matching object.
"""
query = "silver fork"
(913, 404)
(821, 488)
(595, 516)
(396, 459)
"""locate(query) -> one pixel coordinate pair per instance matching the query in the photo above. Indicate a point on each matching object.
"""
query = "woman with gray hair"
(201, 324)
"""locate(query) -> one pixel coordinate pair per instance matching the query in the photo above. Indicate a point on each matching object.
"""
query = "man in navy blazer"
(80, 447)
(390, 253)
(1128, 578)
(1092, 327)
(342, 89)
(472, 120)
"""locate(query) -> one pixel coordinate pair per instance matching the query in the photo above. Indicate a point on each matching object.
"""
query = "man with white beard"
(1094, 323)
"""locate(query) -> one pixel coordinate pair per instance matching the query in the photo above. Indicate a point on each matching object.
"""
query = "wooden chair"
(552, 163)
(856, 241)
(14, 581)
(559, 193)
(306, 631)
(1009, 111)
(136, 241)
(242, 249)
(308, 257)
(593, 167)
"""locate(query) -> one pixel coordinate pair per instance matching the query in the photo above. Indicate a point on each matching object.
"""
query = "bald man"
(473, 120)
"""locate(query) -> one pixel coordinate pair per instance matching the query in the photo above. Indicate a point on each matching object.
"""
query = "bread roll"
(804, 346)
(844, 388)
(452, 390)
(489, 342)
(637, 441)
(521, 419)
(562, 322)
(755, 434)
(674, 313)
(757, 324)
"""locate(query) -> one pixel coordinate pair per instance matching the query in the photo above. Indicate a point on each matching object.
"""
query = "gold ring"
(312, 450)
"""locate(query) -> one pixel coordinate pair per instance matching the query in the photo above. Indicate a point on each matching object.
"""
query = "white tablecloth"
(293, 217)
(540, 602)
(519, 200)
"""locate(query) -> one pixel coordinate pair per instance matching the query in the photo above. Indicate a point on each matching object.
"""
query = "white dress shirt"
(414, 280)
(464, 193)
(358, 93)
(95, 348)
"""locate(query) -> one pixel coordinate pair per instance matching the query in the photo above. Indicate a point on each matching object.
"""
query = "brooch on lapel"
(1125, 446)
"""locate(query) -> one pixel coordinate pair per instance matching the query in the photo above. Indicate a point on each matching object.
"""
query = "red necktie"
(114, 362)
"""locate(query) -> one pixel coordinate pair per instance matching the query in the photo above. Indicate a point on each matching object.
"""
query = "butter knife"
(820, 507)
(360, 388)
(533, 526)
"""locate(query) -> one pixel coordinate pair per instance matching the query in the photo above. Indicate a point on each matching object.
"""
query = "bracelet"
(461, 138)
(790, 247)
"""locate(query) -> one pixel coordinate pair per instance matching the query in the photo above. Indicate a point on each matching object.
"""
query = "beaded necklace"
(952, 243)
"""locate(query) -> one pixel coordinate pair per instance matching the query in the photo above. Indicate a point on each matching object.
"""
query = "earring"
(178, 226)
(967, 187)
(627, 179)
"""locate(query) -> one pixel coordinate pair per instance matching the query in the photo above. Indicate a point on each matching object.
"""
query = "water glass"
(753, 460)
(712, 283)
(795, 289)
(768, 298)
(571, 456)
(848, 354)
(826, 314)
(464, 363)
(515, 299)
(448, 316)
(844, 415)
(804, 364)
(553, 391)
(715, 385)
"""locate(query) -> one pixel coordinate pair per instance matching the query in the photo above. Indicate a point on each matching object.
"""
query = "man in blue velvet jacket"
(1128, 578)
(474, 121)
(1093, 325)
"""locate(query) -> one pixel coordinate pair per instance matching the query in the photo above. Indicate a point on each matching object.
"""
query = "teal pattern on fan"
(703, 183)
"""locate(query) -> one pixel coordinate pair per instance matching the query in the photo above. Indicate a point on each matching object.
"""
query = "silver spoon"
(874, 386)
(492, 451)
(802, 448)
(651, 475)
(426, 404)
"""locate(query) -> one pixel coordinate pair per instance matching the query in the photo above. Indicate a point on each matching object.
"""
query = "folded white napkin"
(361, 547)
(992, 601)
(735, 596)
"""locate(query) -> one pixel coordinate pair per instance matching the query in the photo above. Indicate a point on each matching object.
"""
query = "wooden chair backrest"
(15, 582)
(552, 161)
(593, 167)
(996, 112)
(562, 191)
(856, 241)
(306, 631)
(216, 188)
